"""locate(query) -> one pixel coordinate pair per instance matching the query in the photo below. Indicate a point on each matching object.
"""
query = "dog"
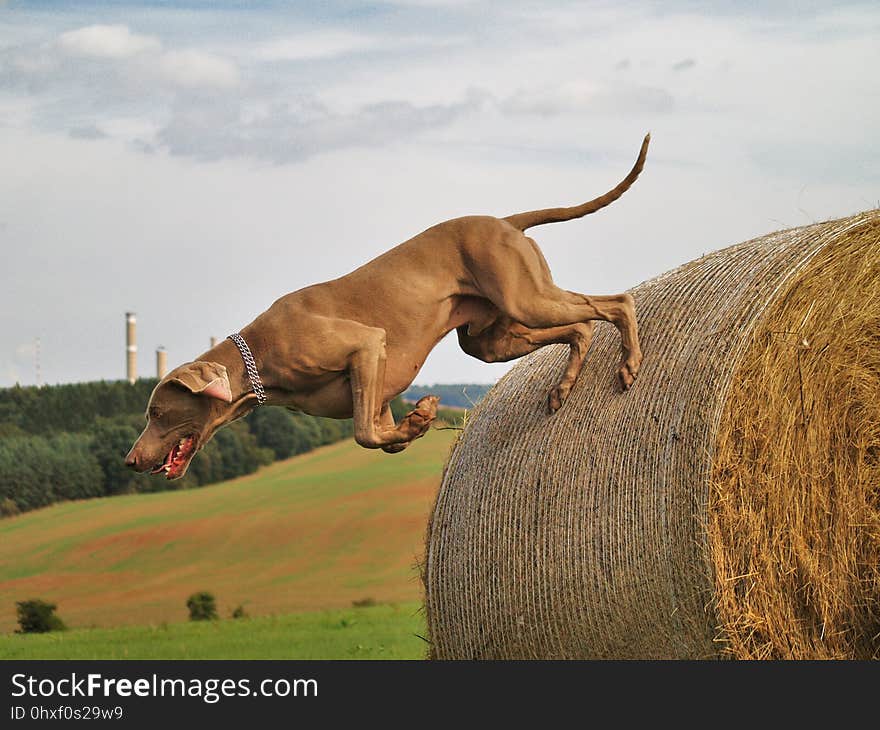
(347, 347)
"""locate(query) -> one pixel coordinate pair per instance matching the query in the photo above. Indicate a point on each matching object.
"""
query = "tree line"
(68, 442)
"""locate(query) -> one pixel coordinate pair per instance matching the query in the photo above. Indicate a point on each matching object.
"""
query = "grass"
(315, 532)
(377, 632)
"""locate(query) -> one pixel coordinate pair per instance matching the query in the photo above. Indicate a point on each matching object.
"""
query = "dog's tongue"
(167, 463)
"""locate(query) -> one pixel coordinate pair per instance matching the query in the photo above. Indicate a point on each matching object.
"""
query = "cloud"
(584, 97)
(321, 44)
(34, 64)
(253, 99)
(684, 64)
(87, 131)
(198, 69)
(99, 73)
(115, 83)
(113, 61)
(106, 41)
(291, 132)
(433, 3)
(551, 100)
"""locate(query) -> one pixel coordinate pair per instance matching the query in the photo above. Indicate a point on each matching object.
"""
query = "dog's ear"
(205, 378)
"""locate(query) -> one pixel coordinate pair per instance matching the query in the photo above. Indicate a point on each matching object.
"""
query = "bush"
(37, 617)
(8, 507)
(239, 612)
(202, 606)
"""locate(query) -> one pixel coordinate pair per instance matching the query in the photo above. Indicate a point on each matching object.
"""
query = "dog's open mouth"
(177, 459)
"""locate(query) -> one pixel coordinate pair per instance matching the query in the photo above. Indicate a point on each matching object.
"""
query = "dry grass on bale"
(794, 512)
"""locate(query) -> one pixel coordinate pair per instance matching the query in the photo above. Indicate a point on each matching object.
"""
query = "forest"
(68, 441)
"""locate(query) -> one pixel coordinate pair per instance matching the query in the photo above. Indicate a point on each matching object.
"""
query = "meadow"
(295, 544)
(375, 632)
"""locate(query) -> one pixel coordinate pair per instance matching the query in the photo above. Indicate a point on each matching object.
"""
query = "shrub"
(37, 617)
(8, 507)
(202, 606)
(239, 612)
(364, 602)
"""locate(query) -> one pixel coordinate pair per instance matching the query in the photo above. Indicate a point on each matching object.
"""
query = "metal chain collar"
(250, 366)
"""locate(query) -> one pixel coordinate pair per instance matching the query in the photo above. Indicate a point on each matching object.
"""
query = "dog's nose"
(131, 460)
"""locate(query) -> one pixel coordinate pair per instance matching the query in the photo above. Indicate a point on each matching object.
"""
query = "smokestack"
(131, 347)
(213, 342)
(161, 362)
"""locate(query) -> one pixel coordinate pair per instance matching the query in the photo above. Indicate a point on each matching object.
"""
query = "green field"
(377, 632)
(296, 539)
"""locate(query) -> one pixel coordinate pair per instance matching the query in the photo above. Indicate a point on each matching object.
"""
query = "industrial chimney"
(161, 362)
(131, 347)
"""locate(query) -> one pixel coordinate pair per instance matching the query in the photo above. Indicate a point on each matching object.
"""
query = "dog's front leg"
(373, 428)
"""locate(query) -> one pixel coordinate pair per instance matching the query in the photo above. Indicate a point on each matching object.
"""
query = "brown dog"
(347, 347)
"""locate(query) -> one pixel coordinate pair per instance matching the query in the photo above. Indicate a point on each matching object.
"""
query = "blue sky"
(194, 161)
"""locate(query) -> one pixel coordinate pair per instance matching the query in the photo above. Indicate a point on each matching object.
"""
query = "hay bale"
(728, 505)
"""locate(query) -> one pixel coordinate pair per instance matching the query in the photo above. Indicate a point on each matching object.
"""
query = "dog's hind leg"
(555, 308)
(513, 274)
(507, 340)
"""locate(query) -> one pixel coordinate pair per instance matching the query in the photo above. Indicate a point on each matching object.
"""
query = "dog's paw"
(556, 399)
(416, 423)
(395, 448)
(428, 403)
(628, 371)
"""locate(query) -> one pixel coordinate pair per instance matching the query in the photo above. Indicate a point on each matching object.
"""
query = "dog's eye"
(154, 412)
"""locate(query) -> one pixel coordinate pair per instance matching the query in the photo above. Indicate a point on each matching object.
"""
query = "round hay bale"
(727, 505)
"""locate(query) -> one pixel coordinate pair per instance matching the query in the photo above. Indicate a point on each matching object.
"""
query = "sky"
(193, 161)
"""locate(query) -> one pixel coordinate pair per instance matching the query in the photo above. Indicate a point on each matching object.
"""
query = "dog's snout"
(132, 459)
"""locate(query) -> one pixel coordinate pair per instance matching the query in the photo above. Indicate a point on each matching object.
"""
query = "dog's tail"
(556, 215)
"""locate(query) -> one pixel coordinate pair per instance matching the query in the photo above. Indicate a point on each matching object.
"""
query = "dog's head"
(186, 408)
